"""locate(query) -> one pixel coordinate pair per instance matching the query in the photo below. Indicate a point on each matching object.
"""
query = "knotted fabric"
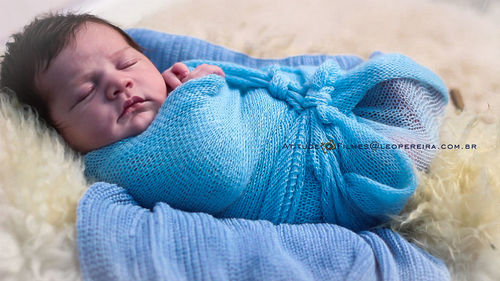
(285, 144)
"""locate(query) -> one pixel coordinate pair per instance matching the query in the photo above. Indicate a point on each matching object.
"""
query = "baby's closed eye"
(85, 92)
(128, 63)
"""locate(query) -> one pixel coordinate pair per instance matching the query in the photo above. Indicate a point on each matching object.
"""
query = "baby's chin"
(139, 123)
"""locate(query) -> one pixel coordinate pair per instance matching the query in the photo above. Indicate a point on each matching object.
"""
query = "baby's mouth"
(130, 105)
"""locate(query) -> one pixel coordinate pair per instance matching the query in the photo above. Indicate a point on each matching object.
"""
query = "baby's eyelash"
(84, 96)
(88, 91)
(128, 63)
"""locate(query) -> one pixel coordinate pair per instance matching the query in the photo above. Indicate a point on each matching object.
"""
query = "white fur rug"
(454, 214)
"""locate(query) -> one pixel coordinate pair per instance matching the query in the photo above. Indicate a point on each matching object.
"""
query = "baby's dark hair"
(31, 51)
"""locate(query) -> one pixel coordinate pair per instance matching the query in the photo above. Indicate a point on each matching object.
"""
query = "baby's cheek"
(105, 133)
(140, 123)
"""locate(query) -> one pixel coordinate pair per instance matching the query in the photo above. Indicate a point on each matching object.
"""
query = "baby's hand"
(179, 74)
(204, 70)
(174, 75)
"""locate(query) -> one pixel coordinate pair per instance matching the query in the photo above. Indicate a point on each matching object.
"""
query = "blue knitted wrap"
(286, 144)
(118, 240)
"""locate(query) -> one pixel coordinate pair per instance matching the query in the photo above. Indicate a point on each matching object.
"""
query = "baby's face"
(100, 90)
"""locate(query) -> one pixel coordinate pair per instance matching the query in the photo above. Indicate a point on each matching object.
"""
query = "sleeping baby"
(304, 144)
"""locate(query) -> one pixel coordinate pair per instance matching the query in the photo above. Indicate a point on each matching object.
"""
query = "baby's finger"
(180, 70)
(217, 70)
(171, 80)
(211, 69)
(204, 70)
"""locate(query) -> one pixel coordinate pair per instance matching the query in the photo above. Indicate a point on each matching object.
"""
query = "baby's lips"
(130, 102)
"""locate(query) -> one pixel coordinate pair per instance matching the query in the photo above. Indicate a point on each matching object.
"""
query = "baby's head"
(85, 77)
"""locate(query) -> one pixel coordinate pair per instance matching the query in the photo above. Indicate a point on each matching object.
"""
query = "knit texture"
(119, 240)
(233, 147)
(166, 49)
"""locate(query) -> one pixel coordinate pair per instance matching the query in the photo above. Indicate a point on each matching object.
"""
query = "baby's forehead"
(82, 54)
(91, 46)
(95, 38)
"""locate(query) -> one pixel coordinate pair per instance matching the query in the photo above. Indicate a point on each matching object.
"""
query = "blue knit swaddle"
(118, 240)
(234, 147)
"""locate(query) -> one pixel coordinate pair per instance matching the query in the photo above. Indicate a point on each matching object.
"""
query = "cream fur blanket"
(455, 212)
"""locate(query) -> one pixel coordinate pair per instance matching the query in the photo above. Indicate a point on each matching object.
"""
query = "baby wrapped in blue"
(285, 144)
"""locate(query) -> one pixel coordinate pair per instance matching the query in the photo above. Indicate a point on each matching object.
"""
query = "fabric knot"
(281, 87)
(278, 84)
(327, 115)
(321, 97)
(286, 84)
(325, 75)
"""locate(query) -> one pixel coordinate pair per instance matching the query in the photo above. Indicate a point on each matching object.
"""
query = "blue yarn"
(118, 240)
(221, 146)
(166, 49)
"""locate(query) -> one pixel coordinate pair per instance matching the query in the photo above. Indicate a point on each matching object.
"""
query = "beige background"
(15, 14)
(459, 39)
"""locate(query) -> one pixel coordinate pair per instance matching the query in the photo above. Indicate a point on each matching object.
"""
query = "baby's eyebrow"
(118, 53)
(80, 78)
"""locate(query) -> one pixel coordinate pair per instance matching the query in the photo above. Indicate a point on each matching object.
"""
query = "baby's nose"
(119, 87)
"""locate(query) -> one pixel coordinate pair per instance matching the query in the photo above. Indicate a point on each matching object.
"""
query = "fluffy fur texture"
(41, 181)
(454, 213)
